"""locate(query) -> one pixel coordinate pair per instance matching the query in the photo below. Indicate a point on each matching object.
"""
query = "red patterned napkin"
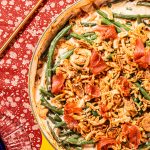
(15, 64)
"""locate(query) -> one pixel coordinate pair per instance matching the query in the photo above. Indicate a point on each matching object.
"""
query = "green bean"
(147, 24)
(128, 8)
(66, 133)
(140, 112)
(53, 133)
(121, 25)
(143, 3)
(78, 142)
(81, 37)
(50, 107)
(86, 142)
(71, 141)
(145, 146)
(140, 82)
(129, 23)
(139, 19)
(75, 136)
(65, 55)
(90, 35)
(144, 16)
(60, 124)
(57, 118)
(103, 14)
(94, 113)
(147, 143)
(45, 93)
(108, 22)
(50, 55)
(136, 99)
(86, 24)
(116, 1)
(93, 37)
(109, 57)
(143, 91)
(109, 4)
(51, 118)
(140, 103)
(130, 17)
(67, 147)
(68, 37)
(141, 147)
(148, 43)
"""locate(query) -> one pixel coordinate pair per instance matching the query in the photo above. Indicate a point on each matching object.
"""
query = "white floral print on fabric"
(15, 64)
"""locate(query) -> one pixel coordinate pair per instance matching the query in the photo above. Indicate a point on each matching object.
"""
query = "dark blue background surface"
(2, 147)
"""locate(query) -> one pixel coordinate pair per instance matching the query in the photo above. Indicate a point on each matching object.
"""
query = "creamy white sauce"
(61, 51)
(88, 19)
(42, 84)
(73, 42)
(124, 8)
